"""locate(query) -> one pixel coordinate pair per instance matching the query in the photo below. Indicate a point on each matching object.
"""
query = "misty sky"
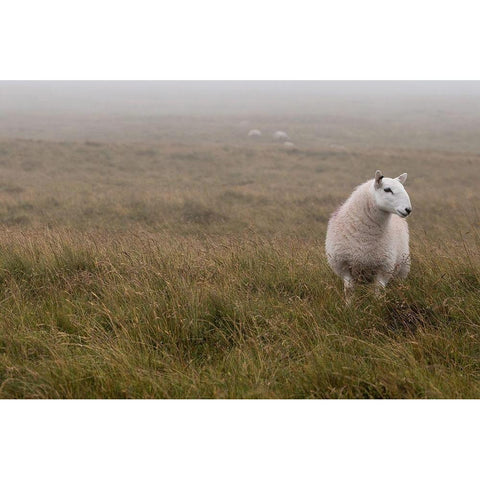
(226, 97)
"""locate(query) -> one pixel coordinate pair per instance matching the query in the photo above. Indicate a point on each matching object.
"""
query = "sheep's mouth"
(403, 215)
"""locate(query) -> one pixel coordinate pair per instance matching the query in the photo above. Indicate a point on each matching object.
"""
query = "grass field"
(193, 266)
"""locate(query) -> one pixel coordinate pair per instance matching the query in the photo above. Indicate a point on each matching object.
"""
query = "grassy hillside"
(188, 268)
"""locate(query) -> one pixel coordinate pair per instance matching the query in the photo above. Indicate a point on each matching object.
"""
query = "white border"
(242, 40)
(239, 439)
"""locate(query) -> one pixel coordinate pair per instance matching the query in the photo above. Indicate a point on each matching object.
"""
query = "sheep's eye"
(388, 190)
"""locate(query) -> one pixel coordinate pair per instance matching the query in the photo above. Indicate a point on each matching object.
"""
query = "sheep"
(289, 145)
(338, 148)
(279, 135)
(255, 133)
(367, 237)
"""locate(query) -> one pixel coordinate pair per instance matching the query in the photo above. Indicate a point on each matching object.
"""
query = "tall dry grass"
(166, 271)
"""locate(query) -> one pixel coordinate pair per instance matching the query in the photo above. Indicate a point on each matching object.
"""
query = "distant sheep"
(289, 145)
(367, 237)
(337, 147)
(254, 133)
(279, 135)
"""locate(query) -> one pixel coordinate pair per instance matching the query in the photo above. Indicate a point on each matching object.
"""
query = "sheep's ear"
(378, 179)
(402, 178)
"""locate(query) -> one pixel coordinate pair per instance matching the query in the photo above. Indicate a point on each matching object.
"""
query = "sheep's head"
(390, 195)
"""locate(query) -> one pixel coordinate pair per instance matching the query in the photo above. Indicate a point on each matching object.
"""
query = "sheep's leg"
(381, 280)
(403, 267)
(348, 287)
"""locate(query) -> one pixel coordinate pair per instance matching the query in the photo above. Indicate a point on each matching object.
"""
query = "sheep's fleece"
(368, 241)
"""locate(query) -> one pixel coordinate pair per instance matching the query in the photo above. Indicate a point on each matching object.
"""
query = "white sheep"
(279, 135)
(255, 133)
(367, 237)
(289, 145)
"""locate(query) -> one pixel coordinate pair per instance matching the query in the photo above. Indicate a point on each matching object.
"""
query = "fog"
(219, 97)
(417, 114)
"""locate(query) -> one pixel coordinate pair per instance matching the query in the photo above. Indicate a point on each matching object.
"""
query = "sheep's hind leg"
(381, 280)
(348, 287)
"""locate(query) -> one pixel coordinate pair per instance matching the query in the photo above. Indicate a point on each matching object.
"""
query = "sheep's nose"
(408, 210)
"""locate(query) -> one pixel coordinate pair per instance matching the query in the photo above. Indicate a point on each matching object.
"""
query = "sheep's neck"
(373, 215)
